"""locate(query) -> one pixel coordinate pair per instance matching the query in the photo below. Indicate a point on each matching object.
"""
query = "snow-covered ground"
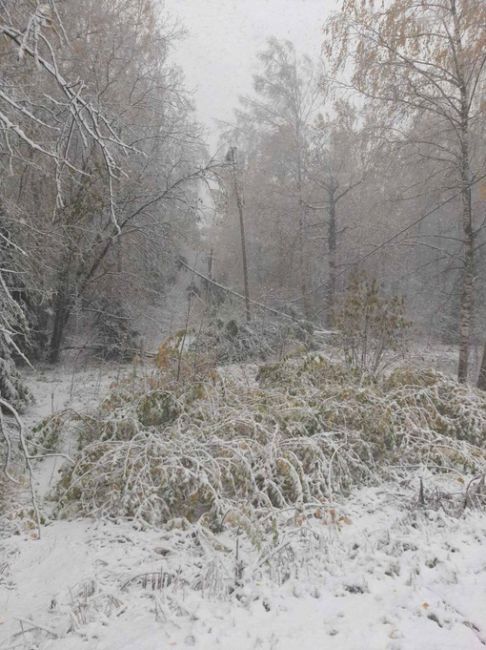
(381, 574)
(375, 571)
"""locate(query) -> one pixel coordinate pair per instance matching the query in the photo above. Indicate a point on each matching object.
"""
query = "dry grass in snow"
(307, 431)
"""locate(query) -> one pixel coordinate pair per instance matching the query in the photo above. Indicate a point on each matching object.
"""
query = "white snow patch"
(389, 576)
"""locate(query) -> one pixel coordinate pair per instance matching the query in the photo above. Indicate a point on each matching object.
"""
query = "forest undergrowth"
(280, 491)
(232, 446)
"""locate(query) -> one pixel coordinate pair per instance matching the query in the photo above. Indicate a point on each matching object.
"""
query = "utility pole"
(231, 157)
(208, 286)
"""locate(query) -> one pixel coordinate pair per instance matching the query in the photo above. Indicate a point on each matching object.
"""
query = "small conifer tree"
(372, 325)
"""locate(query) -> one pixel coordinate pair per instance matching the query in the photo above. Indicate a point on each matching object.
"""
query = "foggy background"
(218, 53)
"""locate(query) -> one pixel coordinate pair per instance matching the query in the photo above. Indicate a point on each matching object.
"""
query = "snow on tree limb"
(92, 126)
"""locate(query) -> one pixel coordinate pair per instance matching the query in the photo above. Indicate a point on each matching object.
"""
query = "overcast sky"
(218, 55)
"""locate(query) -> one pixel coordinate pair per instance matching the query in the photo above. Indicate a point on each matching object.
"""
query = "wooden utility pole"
(232, 157)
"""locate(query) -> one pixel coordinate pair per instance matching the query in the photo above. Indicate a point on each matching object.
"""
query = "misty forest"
(243, 372)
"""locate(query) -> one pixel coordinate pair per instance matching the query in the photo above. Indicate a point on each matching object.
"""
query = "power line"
(296, 320)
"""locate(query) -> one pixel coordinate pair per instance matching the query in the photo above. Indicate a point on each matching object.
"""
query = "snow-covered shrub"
(306, 430)
(47, 434)
(12, 387)
(157, 408)
(235, 341)
(12, 323)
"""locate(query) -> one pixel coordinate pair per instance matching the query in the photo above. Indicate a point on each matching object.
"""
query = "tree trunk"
(482, 371)
(302, 233)
(60, 320)
(332, 251)
(239, 203)
(467, 291)
(466, 313)
(62, 311)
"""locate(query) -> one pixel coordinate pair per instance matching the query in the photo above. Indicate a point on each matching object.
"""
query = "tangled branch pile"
(234, 341)
(306, 430)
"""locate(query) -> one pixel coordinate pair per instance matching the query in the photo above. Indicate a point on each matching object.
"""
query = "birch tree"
(339, 162)
(424, 58)
(287, 94)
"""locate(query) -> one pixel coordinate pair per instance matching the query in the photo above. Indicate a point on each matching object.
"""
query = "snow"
(77, 386)
(376, 571)
(390, 576)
